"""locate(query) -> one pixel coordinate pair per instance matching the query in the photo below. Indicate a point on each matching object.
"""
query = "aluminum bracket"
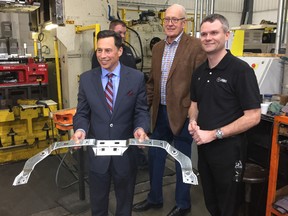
(109, 148)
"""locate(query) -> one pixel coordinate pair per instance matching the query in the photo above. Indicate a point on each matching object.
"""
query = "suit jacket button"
(111, 125)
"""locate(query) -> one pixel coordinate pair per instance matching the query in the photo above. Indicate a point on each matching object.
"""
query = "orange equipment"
(63, 119)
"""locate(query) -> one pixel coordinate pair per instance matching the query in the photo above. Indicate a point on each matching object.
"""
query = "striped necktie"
(109, 92)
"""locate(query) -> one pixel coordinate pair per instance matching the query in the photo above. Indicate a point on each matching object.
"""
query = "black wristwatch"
(219, 133)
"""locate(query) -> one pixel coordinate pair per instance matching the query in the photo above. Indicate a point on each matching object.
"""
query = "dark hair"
(109, 33)
(116, 22)
(212, 17)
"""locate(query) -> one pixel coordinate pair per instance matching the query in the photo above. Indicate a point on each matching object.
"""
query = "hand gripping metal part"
(109, 147)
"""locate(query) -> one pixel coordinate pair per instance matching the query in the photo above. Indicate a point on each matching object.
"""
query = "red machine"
(15, 72)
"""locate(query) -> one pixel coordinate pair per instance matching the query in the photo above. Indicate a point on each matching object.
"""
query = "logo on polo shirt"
(219, 79)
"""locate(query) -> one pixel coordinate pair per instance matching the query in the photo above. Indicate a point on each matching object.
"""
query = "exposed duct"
(206, 8)
(280, 23)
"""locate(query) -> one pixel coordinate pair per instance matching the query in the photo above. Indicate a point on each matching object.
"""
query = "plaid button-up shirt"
(167, 60)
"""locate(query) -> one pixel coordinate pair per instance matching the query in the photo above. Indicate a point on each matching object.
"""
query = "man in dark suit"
(173, 62)
(125, 115)
(127, 58)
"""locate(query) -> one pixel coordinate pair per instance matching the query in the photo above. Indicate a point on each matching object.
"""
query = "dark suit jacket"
(93, 115)
(189, 55)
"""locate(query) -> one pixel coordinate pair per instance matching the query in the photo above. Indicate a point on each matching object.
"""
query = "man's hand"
(200, 136)
(193, 127)
(141, 136)
(77, 137)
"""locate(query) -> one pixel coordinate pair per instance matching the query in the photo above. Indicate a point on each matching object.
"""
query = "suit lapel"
(159, 55)
(123, 87)
(178, 54)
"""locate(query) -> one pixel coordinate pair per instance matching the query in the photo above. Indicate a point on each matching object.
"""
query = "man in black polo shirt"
(127, 58)
(225, 102)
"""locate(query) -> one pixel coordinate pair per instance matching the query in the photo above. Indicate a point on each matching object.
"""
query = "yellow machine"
(27, 129)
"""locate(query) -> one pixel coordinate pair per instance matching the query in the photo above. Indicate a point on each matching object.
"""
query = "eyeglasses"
(173, 20)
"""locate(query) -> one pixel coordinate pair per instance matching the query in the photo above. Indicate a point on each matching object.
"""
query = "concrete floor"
(41, 196)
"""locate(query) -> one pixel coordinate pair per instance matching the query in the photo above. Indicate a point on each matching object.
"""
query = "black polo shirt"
(224, 92)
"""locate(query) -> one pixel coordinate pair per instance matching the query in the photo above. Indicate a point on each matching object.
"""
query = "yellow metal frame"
(58, 76)
(79, 29)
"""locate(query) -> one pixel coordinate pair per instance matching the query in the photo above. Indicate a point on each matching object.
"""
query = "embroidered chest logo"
(219, 79)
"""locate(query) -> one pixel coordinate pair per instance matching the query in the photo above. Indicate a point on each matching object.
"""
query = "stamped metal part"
(109, 148)
(188, 175)
(23, 177)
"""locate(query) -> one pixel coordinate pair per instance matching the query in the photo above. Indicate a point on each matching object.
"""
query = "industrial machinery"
(26, 125)
(259, 40)
(22, 71)
(250, 44)
(269, 73)
(149, 29)
(18, 5)
(26, 129)
(22, 78)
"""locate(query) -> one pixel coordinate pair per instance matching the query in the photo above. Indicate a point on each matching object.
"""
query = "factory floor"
(53, 190)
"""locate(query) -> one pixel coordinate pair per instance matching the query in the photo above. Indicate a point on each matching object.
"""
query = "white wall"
(265, 9)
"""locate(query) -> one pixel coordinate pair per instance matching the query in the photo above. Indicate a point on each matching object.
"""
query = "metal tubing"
(212, 8)
(195, 18)
(207, 7)
(279, 26)
(96, 27)
(201, 10)
(284, 34)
